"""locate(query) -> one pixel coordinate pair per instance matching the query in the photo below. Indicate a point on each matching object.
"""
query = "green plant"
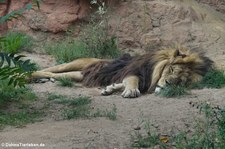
(98, 40)
(13, 42)
(80, 101)
(66, 50)
(111, 114)
(79, 108)
(208, 134)
(75, 108)
(9, 93)
(96, 37)
(19, 70)
(173, 91)
(18, 118)
(15, 69)
(66, 82)
(14, 105)
(15, 14)
(98, 43)
(213, 79)
(147, 140)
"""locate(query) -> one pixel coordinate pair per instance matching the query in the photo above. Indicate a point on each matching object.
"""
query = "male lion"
(141, 74)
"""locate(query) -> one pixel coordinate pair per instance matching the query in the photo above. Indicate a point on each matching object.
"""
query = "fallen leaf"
(164, 139)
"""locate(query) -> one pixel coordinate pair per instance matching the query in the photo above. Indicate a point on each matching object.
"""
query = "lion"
(136, 75)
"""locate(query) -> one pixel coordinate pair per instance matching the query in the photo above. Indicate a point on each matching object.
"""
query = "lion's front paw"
(106, 92)
(131, 93)
(112, 88)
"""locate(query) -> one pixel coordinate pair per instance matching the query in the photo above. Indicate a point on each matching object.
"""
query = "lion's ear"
(176, 53)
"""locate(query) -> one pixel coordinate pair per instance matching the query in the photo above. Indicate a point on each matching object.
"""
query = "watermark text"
(28, 145)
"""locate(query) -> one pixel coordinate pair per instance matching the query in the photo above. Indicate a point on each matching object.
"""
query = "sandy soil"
(167, 115)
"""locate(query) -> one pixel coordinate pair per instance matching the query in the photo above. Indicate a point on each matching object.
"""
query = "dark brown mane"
(106, 73)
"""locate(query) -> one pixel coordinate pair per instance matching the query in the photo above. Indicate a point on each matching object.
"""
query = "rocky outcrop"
(153, 23)
(54, 15)
(139, 24)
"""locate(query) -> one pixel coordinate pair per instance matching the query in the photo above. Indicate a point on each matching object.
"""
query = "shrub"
(98, 43)
(213, 79)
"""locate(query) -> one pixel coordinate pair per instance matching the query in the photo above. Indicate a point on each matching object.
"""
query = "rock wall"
(153, 23)
(138, 24)
(54, 15)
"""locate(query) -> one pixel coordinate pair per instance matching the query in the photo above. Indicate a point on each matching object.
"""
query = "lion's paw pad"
(131, 93)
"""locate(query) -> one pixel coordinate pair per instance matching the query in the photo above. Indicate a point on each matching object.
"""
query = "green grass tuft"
(18, 118)
(15, 42)
(76, 113)
(173, 91)
(80, 101)
(111, 114)
(213, 79)
(65, 51)
(79, 108)
(145, 141)
(71, 49)
(65, 82)
(98, 42)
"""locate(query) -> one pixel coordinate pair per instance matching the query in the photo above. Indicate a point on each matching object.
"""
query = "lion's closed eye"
(171, 69)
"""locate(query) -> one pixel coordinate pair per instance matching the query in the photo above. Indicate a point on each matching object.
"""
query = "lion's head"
(178, 66)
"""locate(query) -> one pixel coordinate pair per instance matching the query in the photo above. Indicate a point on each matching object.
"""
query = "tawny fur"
(173, 65)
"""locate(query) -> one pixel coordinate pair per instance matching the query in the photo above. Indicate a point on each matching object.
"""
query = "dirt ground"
(167, 115)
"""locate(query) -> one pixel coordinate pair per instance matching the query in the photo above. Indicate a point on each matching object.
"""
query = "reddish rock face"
(4, 8)
(53, 16)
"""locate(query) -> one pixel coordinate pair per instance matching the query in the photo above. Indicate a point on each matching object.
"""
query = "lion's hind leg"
(73, 75)
(76, 65)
